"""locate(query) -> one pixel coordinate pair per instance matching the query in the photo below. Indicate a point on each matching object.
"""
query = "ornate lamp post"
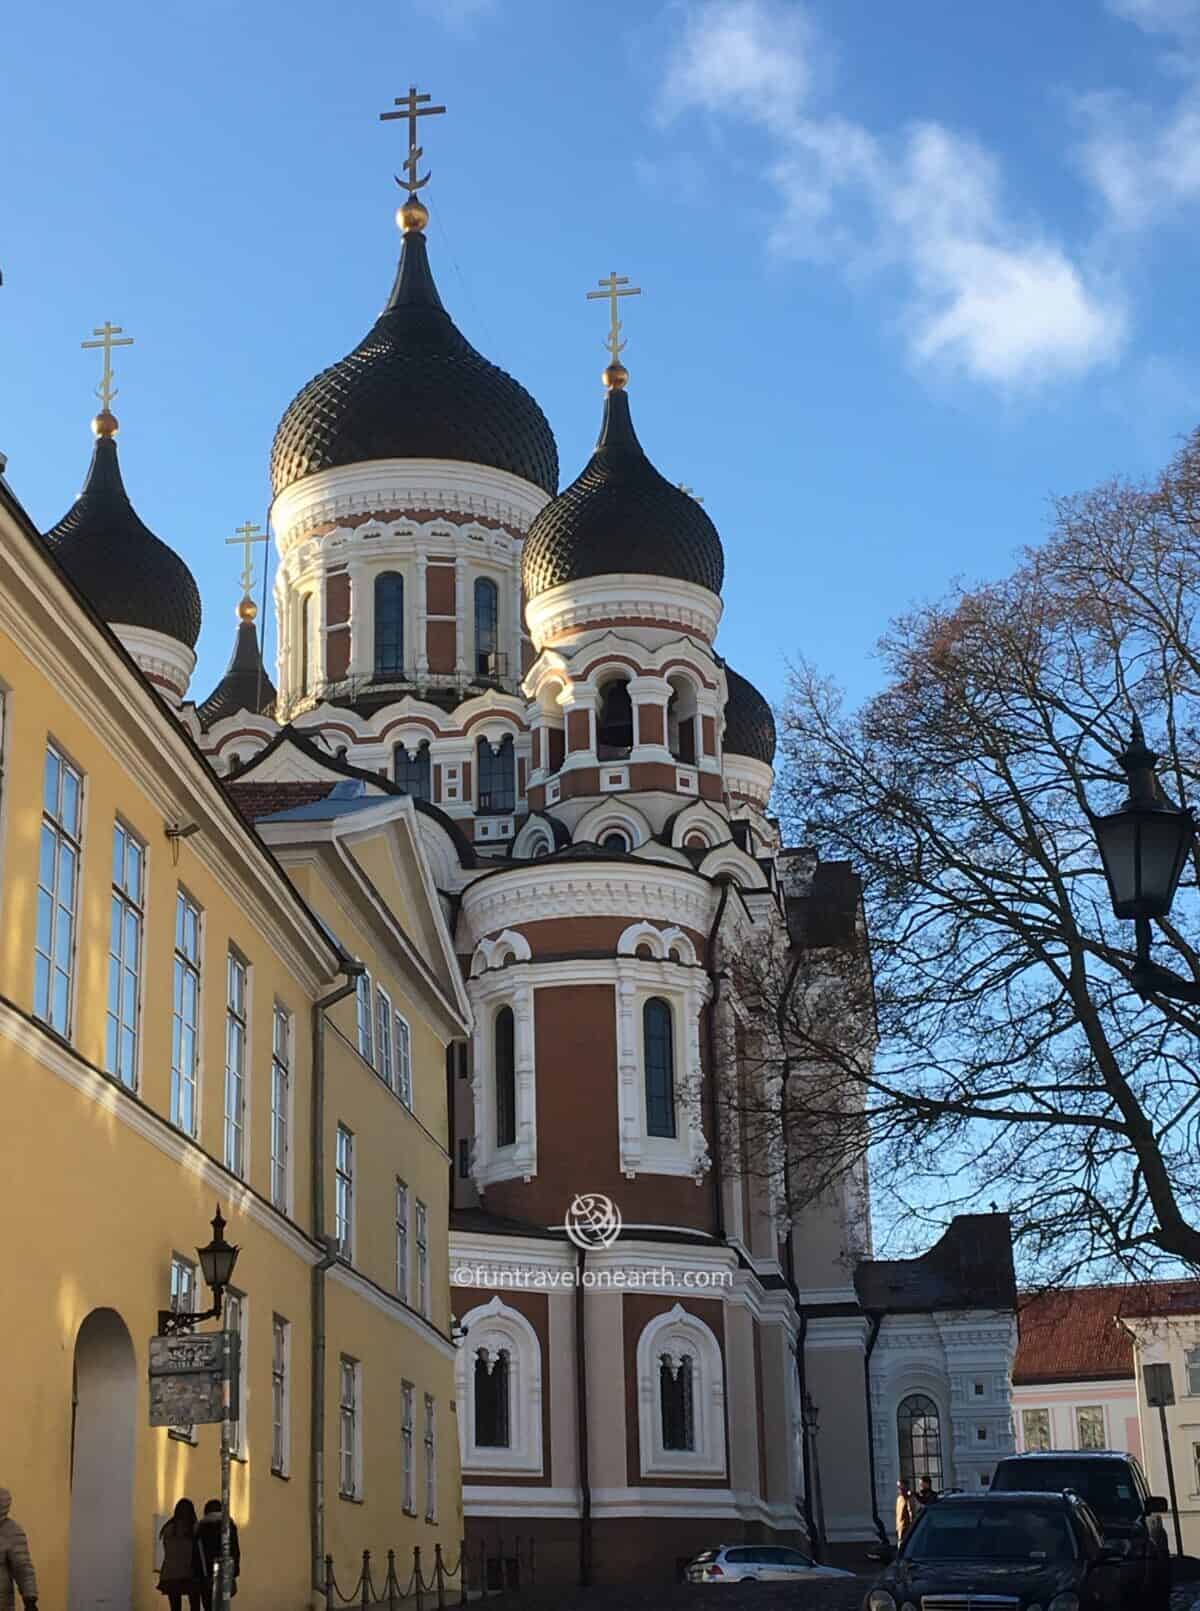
(1144, 846)
(811, 1421)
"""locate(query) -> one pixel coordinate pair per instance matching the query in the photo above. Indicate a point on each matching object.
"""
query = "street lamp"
(217, 1259)
(811, 1421)
(1143, 847)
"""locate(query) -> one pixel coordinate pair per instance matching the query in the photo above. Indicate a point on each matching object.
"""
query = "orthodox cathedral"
(537, 671)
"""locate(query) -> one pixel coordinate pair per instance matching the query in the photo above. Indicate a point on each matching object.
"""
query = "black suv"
(1113, 1486)
(1006, 1552)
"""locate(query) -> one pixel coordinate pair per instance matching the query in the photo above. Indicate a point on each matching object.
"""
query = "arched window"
(614, 720)
(659, 1039)
(682, 721)
(504, 1055)
(487, 627)
(675, 1390)
(411, 770)
(497, 783)
(615, 839)
(389, 624)
(920, 1435)
(306, 643)
(493, 1424)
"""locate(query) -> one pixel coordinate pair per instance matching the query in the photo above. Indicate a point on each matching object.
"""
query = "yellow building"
(181, 1025)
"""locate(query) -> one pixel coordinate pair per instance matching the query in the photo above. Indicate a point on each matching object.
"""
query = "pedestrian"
(906, 1510)
(16, 1567)
(181, 1571)
(210, 1554)
(926, 1492)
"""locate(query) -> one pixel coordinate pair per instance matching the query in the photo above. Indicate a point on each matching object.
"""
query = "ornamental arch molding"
(673, 1337)
(492, 1329)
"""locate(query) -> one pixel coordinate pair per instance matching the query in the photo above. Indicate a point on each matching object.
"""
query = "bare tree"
(1015, 1061)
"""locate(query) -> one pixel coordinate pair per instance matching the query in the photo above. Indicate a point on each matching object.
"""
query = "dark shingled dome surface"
(127, 574)
(414, 388)
(621, 515)
(245, 685)
(749, 722)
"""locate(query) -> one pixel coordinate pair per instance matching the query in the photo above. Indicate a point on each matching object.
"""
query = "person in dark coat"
(181, 1571)
(210, 1554)
(16, 1567)
(926, 1493)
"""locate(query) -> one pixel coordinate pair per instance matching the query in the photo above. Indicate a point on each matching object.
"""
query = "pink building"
(1074, 1385)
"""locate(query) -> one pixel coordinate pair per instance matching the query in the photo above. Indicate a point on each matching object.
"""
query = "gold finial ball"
(412, 215)
(616, 377)
(247, 610)
(105, 423)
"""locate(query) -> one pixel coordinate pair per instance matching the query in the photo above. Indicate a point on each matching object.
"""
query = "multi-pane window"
(185, 1040)
(408, 1495)
(235, 1322)
(281, 1100)
(383, 1039)
(430, 1459)
(422, 1233)
(404, 1086)
(676, 1402)
(487, 622)
(402, 1240)
(126, 923)
(1035, 1429)
(236, 1006)
(58, 889)
(919, 1431)
(183, 1301)
(1089, 1424)
(280, 1395)
(349, 1430)
(389, 625)
(493, 1423)
(411, 770)
(659, 1041)
(344, 1192)
(1191, 1361)
(503, 1047)
(497, 775)
(366, 1039)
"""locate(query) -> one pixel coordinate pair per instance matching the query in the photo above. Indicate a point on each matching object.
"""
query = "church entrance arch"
(102, 1455)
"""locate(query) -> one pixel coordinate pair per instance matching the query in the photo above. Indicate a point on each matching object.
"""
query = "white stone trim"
(493, 1326)
(728, 1504)
(489, 992)
(536, 892)
(505, 948)
(666, 945)
(581, 605)
(681, 1335)
(749, 778)
(611, 815)
(163, 659)
(686, 991)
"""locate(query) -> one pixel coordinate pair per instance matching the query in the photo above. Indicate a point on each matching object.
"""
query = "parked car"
(1003, 1552)
(756, 1563)
(1114, 1486)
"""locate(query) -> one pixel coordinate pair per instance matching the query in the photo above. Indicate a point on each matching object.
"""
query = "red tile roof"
(1073, 1335)
(255, 800)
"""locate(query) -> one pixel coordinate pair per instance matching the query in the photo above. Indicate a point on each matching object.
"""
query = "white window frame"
(1038, 1409)
(236, 1319)
(1191, 1371)
(127, 909)
(494, 1328)
(237, 1067)
(408, 1475)
(182, 1290)
(281, 1396)
(403, 1045)
(343, 1192)
(385, 1065)
(680, 1334)
(1077, 1412)
(430, 1459)
(70, 838)
(364, 1007)
(489, 990)
(350, 1428)
(282, 1029)
(403, 1251)
(421, 1237)
(186, 1078)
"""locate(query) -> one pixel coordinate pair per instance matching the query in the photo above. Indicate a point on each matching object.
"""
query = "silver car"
(757, 1563)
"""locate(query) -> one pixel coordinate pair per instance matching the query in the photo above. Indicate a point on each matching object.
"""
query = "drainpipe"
(802, 1382)
(872, 1339)
(352, 971)
(581, 1427)
(716, 977)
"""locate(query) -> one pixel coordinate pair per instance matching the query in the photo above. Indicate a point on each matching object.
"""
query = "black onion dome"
(127, 574)
(621, 515)
(749, 722)
(245, 685)
(414, 388)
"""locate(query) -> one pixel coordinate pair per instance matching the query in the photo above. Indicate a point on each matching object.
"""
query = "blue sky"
(909, 270)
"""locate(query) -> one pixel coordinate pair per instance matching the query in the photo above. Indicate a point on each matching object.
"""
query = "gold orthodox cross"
(616, 285)
(412, 107)
(108, 333)
(245, 537)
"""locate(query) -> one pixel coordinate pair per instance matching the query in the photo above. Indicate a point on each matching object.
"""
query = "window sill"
(284, 1476)
(351, 1499)
(407, 1510)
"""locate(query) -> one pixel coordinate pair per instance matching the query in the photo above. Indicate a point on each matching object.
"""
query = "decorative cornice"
(584, 606)
(531, 894)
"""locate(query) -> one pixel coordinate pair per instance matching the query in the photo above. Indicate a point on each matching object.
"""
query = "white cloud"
(460, 16)
(1159, 16)
(988, 295)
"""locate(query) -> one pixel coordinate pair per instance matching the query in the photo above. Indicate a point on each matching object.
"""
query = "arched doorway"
(102, 1453)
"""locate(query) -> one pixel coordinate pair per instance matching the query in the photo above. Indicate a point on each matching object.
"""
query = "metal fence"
(489, 1571)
